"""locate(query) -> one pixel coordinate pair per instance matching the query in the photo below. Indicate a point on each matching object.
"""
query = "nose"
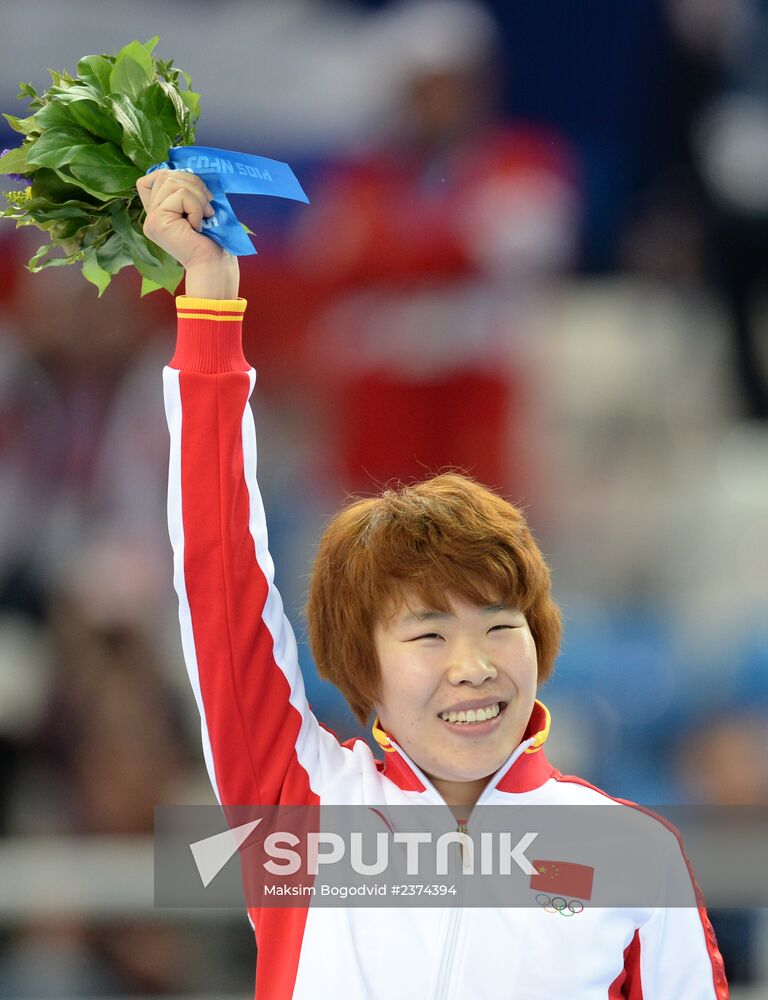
(468, 664)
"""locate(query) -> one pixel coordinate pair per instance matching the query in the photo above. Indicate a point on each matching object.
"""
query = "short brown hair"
(445, 534)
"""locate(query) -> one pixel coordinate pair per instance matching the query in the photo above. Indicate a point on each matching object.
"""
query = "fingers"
(181, 202)
(144, 186)
(176, 203)
(156, 187)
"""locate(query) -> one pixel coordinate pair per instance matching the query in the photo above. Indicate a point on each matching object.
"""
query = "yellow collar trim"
(540, 738)
(381, 736)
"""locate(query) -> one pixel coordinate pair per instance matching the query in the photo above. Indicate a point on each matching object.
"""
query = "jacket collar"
(525, 769)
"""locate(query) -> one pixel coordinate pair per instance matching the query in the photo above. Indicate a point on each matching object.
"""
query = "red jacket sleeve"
(261, 742)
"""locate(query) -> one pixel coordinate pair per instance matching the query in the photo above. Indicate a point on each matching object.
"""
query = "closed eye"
(427, 635)
(504, 626)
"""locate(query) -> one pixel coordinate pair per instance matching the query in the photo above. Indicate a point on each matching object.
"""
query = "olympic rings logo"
(558, 904)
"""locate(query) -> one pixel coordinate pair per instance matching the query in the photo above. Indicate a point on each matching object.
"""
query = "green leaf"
(9, 212)
(70, 90)
(94, 273)
(97, 233)
(133, 70)
(57, 146)
(37, 256)
(52, 115)
(61, 79)
(134, 243)
(61, 261)
(26, 90)
(83, 187)
(14, 161)
(18, 124)
(148, 286)
(97, 120)
(64, 230)
(40, 209)
(104, 168)
(140, 54)
(111, 256)
(51, 185)
(75, 91)
(192, 101)
(38, 260)
(168, 274)
(18, 214)
(151, 44)
(182, 114)
(44, 208)
(96, 71)
(144, 140)
(157, 105)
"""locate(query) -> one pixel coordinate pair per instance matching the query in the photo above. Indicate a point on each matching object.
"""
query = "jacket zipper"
(449, 949)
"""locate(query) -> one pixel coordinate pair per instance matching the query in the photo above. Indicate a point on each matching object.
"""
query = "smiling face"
(457, 689)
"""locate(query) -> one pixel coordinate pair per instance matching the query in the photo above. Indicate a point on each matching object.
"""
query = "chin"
(474, 772)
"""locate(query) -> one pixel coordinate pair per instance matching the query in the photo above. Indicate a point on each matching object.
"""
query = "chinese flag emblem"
(563, 878)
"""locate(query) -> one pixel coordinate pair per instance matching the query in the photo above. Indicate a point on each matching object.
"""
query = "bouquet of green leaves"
(87, 141)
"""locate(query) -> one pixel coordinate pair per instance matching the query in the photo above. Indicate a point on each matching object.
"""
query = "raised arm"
(261, 742)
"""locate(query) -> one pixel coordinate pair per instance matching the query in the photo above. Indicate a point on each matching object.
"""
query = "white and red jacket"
(263, 745)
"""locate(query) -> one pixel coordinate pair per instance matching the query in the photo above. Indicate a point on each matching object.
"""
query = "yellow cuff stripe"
(189, 303)
(211, 316)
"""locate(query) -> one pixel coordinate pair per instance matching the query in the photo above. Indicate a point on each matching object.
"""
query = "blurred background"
(536, 251)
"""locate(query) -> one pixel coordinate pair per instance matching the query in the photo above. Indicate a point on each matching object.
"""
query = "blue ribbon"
(225, 171)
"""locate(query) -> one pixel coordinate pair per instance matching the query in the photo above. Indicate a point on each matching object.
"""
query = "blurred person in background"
(112, 739)
(421, 254)
(108, 745)
(722, 760)
(79, 450)
(86, 750)
(705, 217)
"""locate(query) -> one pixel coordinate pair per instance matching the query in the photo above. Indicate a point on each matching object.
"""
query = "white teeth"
(472, 716)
